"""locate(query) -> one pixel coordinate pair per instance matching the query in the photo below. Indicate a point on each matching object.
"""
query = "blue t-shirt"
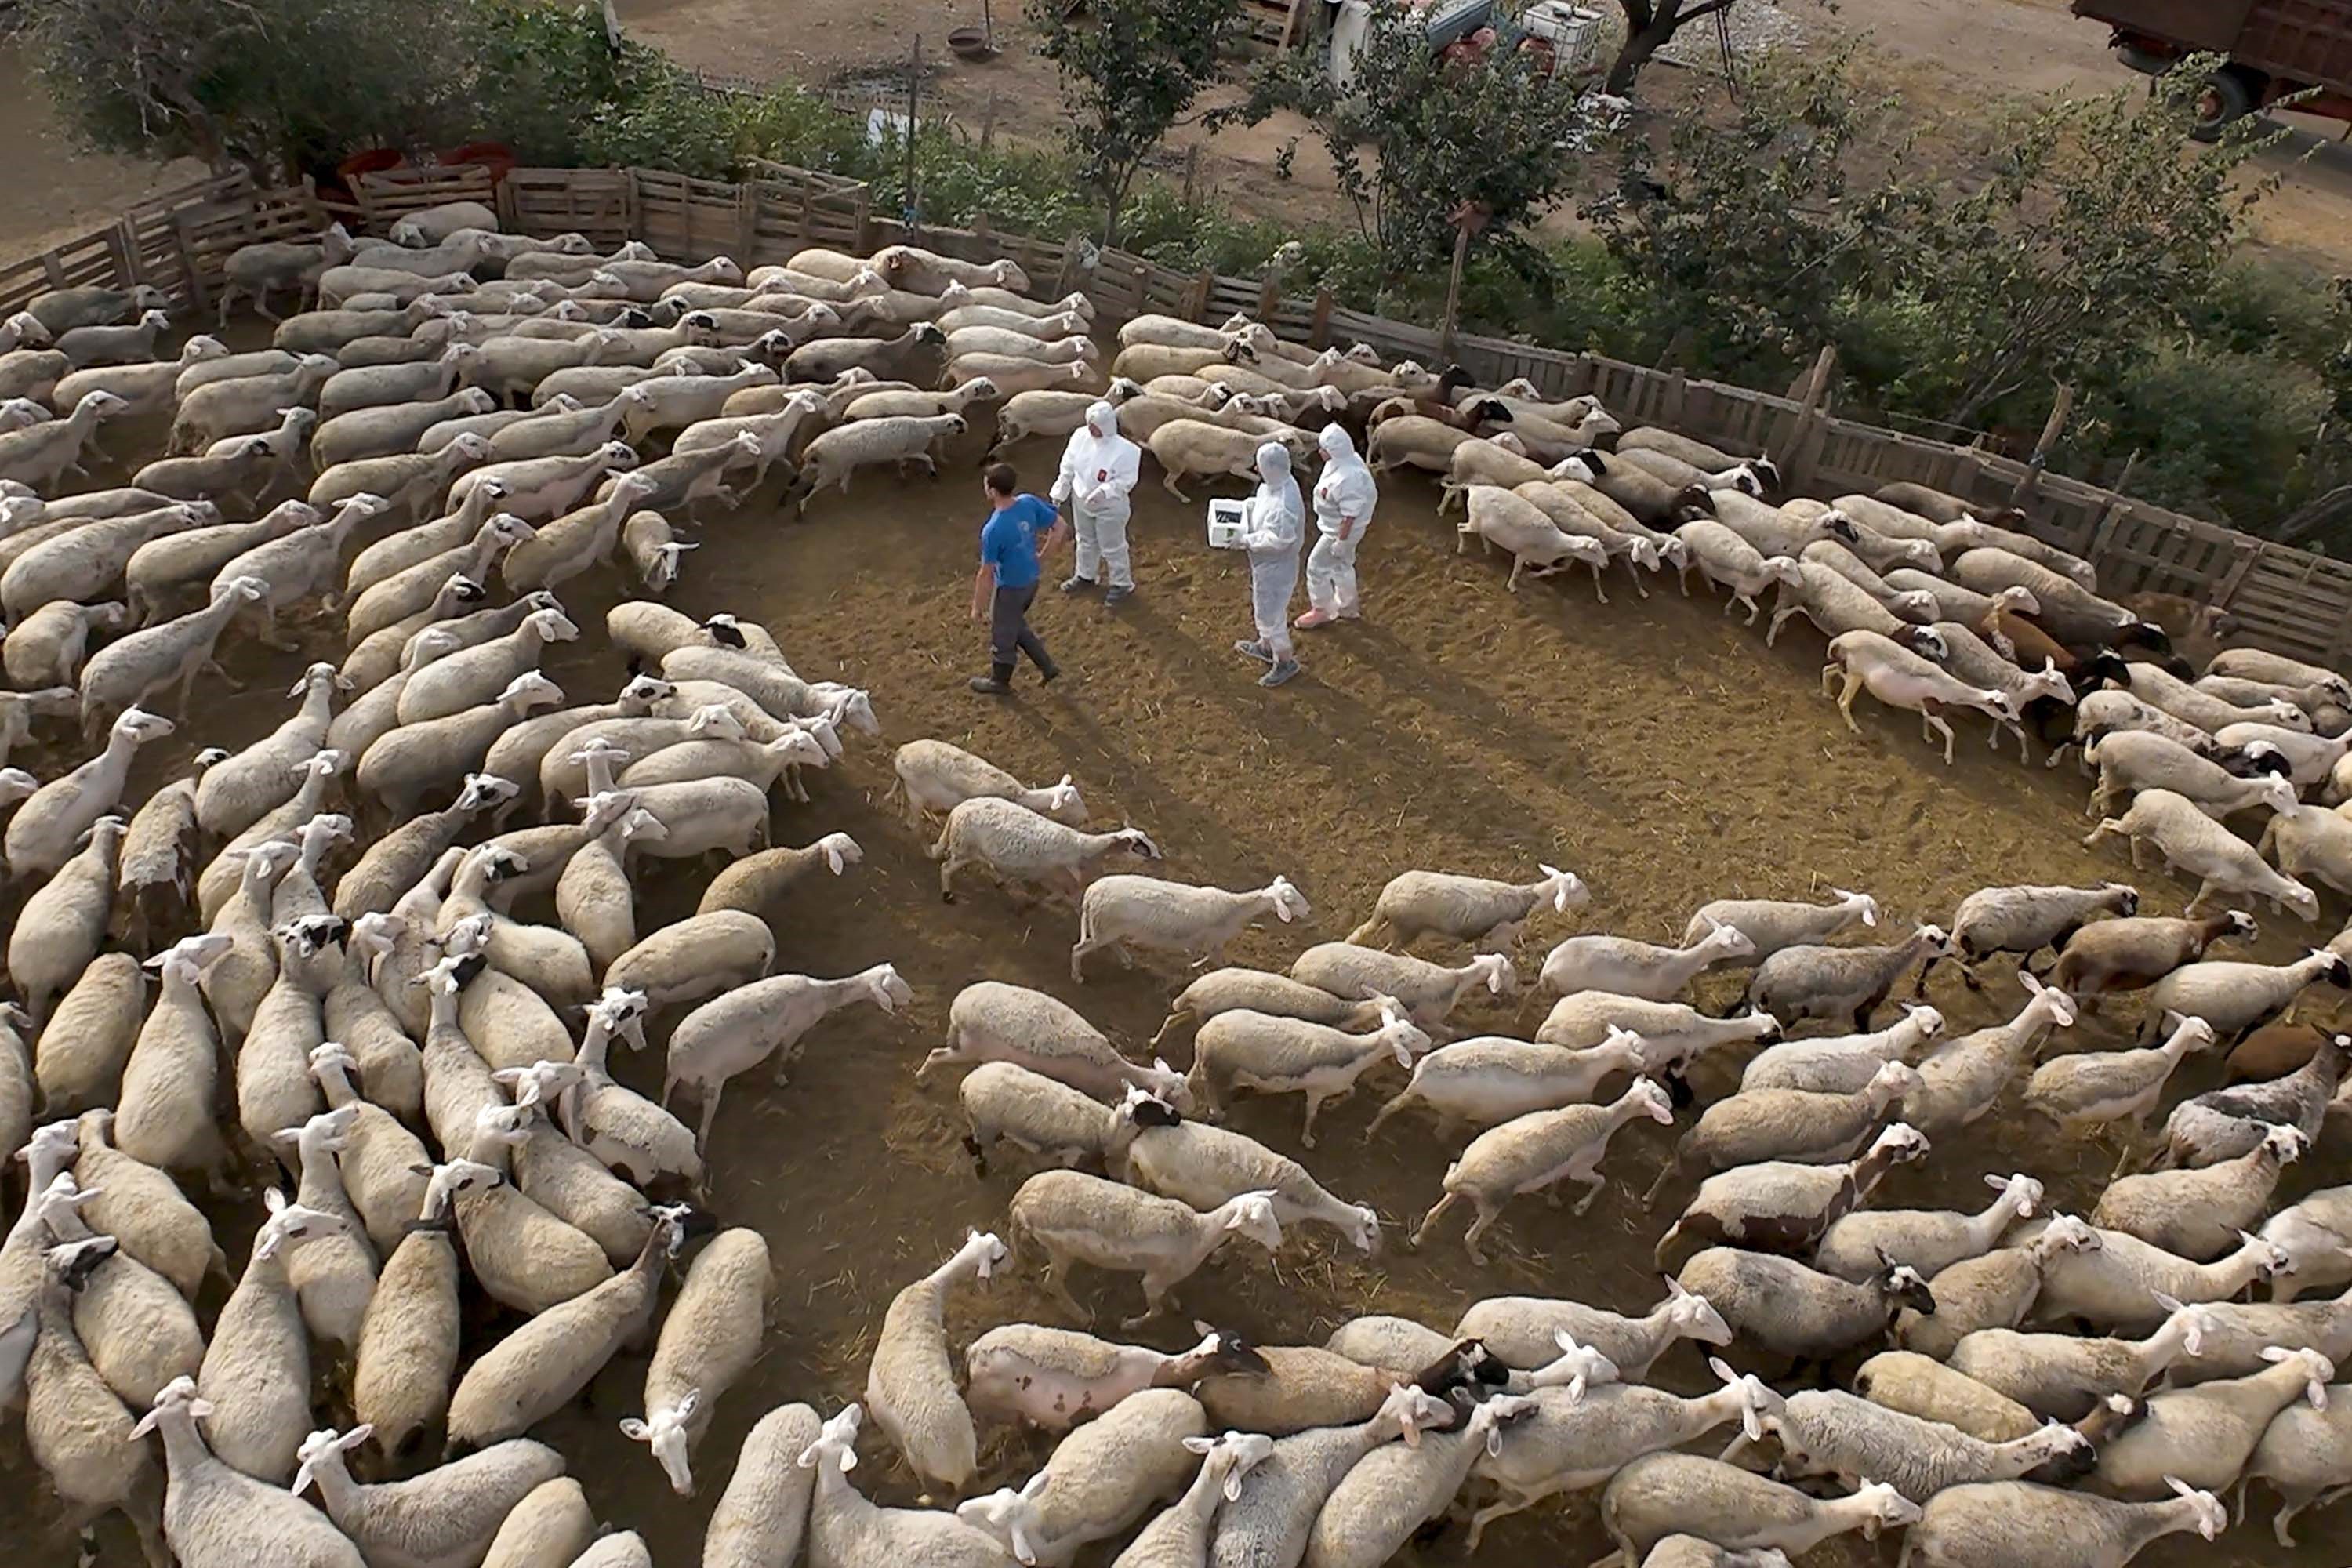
(1008, 541)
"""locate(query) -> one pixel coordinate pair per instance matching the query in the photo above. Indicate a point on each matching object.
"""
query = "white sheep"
(1005, 1100)
(832, 457)
(1186, 446)
(1537, 1149)
(1242, 1049)
(213, 1511)
(2129, 761)
(1075, 1217)
(992, 1021)
(709, 1339)
(935, 777)
(1722, 556)
(1901, 679)
(767, 1018)
(1122, 912)
(2191, 842)
(1018, 846)
(911, 1385)
(1624, 967)
(1504, 519)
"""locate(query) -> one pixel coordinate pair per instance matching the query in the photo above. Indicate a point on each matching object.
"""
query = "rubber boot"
(996, 682)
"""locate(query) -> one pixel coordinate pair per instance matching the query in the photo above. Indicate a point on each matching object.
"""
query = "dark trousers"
(1008, 631)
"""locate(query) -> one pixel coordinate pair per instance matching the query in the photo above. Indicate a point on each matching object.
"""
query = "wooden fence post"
(2029, 483)
(1803, 445)
(1318, 336)
(123, 243)
(198, 295)
(1196, 295)
(1269, 295)
(746, 222)
(1454, 291)
(54, 269)
(633, 214)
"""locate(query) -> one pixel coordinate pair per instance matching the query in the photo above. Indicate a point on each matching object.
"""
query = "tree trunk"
(1641, 43)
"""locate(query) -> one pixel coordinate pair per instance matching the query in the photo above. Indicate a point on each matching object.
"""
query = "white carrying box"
(1226, 521)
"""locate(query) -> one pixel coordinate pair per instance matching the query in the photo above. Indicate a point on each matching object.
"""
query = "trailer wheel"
(2229, 94)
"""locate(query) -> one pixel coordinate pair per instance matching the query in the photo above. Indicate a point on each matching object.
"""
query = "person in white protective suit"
(1344, 498)
(1098, 468)
(1271, 527)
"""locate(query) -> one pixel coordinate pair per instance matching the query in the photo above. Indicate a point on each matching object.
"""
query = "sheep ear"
(1199, 1444)
(636, 1430)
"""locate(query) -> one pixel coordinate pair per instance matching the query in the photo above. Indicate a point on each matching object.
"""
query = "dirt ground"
(55, 189)
(1652, 746)
(1946, 58)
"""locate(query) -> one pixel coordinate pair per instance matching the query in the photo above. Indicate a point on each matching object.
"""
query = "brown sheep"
(2134, 954)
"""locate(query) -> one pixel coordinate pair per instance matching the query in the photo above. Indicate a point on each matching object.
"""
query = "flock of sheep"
(385, 996)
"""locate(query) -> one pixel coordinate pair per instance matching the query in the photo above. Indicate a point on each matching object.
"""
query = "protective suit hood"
(1338, 447)
(1273, 462)
(1102, 419)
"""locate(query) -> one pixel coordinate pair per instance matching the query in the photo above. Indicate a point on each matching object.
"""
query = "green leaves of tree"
(1130, 71)
(1416, 136)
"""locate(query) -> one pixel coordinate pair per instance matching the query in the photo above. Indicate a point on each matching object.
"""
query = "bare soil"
(56, 189)
(1653, 746)
(1950, 60)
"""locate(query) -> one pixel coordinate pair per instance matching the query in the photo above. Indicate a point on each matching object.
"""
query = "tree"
(1131, 70)
(2095, 226)
(275, 85)
(1650, 26)
(1417, 140)
(2088, 227)
(1753, 234)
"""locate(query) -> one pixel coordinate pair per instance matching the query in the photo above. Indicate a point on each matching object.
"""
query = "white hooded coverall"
(1344, 498)
(1275, 523)
(1099, 466)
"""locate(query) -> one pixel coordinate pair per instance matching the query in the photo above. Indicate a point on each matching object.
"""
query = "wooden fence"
(2291, 600)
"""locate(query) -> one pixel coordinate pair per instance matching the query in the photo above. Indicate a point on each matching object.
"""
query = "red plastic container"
(496, 156)
(373, 161)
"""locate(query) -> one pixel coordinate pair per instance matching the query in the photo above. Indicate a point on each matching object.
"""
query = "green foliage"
(1131, 70)
(273, 84)
(2095, 226)
(1417, 139)
(1757, 233)
(2218, 431)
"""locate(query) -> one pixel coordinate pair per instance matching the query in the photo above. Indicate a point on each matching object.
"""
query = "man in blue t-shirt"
(1019, 529)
